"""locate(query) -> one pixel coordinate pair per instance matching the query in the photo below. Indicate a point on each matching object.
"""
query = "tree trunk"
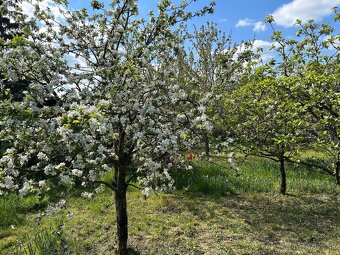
(283, 176)
(206, 145)
(121, 211)
(337, 172)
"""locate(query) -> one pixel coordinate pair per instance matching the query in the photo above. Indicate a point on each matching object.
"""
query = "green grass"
(49, 240)
(214, 211)
(255, 175)
(9, 215)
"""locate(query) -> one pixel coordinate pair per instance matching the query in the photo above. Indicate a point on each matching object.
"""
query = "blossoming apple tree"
(209, 68)
(103, 96)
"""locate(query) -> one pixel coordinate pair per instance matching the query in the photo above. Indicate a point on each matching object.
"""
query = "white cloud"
(28, 8)
(258, 26)
(335, 44)
(223, 20)
(244, 23)
(267, 53)
(287, 14)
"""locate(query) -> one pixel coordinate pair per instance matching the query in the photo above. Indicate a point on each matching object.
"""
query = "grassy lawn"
(214, 211)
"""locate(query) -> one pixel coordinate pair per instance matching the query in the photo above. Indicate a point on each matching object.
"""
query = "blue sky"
(244, 18)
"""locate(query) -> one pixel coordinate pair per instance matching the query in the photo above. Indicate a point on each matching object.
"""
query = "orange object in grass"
(190, 156)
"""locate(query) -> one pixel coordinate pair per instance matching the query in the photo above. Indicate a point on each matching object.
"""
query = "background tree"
(208, 69)
(313, 58)
(264, 121)
(9, 90)
(10, 36)
(6, 25)
(290, 103)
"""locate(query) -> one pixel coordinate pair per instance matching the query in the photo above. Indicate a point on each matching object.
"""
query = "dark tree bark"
(337, 172)
(283, 186)
(121, 209)
(206, 145)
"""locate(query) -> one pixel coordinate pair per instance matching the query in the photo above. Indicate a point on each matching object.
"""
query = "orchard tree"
(208, 69)
(6, 25)
(262, 120)
(11, 36)
(120, 107)
(320, 93)
(313, 58)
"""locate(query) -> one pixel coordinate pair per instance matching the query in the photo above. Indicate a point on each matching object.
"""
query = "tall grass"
(47, 241)
(205, 178)
(10, 211)
(255, 175)
(43, 243)
(13, 209)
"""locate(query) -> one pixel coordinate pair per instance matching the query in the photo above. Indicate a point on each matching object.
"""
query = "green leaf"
(185, 136)
(7, 91)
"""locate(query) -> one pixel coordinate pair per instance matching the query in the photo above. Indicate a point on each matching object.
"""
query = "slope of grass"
(214, 211)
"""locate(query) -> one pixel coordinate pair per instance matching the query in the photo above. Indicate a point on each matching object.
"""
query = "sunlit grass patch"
(255, 175)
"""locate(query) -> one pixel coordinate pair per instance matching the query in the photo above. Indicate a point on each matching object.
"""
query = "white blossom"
(87, 195)
(77, 172)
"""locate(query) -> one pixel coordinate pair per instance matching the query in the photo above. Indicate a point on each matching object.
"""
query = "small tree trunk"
(206, 145)
(337, 172)
(121, 211)
(283, 176)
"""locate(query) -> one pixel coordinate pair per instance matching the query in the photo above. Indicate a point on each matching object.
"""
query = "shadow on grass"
(263, 223)
(297, 219)
(308, 214)
(133, 251)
